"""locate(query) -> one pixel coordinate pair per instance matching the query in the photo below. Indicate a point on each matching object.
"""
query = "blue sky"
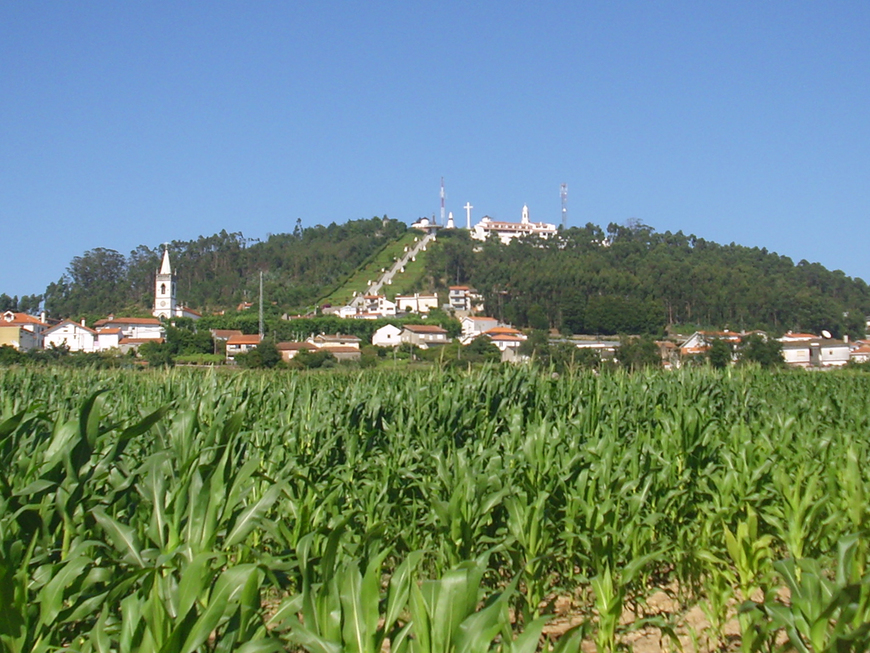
(137, 123)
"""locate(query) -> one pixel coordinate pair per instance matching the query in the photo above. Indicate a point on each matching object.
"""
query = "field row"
(442, 511)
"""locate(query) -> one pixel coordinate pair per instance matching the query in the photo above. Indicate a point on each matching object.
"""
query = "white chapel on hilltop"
(165, 304)
(506, 231)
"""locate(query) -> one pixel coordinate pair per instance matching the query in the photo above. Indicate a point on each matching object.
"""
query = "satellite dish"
(826, 333)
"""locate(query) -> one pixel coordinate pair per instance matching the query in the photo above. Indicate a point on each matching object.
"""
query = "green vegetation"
(183, 510)
(220, 271)
(631, 279)
(372, 270)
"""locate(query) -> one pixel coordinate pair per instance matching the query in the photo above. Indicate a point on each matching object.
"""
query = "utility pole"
(261, 304)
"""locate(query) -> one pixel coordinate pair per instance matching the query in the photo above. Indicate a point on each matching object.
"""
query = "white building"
(507, 231)
(464, 299)
(474, 326)
(416, 303)
(135, 328)
(387, 336)
(74, 336)
(818, 352)
(424, 335)
(378, 305)
(241, 345)
(21, 331)
(165, 304)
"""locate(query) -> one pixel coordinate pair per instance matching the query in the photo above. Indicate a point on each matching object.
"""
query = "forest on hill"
(220, 271)
(631, 279)
(625, 279)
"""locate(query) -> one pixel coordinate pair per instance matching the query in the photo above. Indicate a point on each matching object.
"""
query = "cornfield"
(434, 512)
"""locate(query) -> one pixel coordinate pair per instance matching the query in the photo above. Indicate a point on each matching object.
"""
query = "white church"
(507, 231)
(165, 304)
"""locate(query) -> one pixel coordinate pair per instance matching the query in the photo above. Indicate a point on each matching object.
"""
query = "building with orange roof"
(424, 335)
(21, 331)
(241, 344)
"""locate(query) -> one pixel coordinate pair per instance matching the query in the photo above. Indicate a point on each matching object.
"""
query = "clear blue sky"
(128, 123)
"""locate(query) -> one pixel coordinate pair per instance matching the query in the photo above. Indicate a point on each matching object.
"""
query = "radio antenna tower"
(564, 194)
(442, 200)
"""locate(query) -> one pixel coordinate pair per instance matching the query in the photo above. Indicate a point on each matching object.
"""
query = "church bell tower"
(164, 290)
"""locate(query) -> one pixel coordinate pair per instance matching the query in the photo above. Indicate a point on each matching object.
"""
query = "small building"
(860, 352)
(464, 300)
(241, 345)
(324, 341)
(289, 350)
(699, 342)
(109, 339)
(424, 335)
(21, 331)
(343, 352)
(72, 335)
(416, 303)
(387, 336)
(378, 305)
(475, 326)
(816, 353)
(138, 328)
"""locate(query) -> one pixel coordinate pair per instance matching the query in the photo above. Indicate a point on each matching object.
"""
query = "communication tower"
(442, 200)
(564, 195)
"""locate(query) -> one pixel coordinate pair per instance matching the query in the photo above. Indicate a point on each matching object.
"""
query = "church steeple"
(164, 289)
(165, 268)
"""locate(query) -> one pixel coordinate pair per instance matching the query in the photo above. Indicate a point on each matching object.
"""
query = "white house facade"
(75, 336)
(387, 336)
(507, 231)
(416, 303)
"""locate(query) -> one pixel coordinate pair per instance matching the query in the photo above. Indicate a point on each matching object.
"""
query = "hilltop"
(584, 280)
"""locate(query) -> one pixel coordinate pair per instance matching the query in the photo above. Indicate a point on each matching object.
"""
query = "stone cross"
(468, 208)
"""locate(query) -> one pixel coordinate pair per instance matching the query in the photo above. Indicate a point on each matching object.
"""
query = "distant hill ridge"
(622, 279)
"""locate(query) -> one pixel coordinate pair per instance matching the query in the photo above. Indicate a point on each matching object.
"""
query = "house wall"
(388, 336)
(75, 337)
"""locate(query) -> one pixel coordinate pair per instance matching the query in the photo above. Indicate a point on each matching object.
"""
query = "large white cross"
(468, 208)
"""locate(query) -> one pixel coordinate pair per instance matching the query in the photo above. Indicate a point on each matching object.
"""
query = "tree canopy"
(631, 279)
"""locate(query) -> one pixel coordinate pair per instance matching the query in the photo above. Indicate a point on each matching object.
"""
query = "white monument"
(468, 208)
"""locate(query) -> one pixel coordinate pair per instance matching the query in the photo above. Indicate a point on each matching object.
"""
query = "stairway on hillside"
(387, 277)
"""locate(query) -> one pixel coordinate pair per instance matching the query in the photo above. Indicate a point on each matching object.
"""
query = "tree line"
(632, 279)
(220, 271)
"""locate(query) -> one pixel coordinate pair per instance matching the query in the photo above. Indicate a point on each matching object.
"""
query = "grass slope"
(371, 270)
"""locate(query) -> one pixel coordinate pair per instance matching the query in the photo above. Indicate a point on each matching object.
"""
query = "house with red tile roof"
(424, 335)
(21, 331)
(241, 344)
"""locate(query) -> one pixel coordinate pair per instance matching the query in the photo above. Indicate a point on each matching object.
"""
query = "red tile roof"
(244, 340)
(128, 320)
(424, 328)
(20, 318)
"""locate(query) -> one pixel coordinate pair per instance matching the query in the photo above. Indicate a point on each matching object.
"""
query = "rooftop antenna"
(442, 200)
(261, 304)
(564, 195)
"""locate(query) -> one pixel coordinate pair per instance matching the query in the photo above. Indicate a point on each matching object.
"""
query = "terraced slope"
(372, 270)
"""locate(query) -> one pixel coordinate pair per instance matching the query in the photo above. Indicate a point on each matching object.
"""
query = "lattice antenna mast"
(442, 200)
(564, 195)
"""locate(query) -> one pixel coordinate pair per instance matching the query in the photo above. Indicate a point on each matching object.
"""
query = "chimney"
(42, 316)
(83, 322)
(846, 338)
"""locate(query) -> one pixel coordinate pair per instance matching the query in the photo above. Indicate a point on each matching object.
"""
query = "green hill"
(371, 270)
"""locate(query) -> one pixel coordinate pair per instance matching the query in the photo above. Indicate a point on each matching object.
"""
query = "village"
(124, 335)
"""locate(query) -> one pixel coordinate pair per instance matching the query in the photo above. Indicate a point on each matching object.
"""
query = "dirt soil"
(691, 627)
